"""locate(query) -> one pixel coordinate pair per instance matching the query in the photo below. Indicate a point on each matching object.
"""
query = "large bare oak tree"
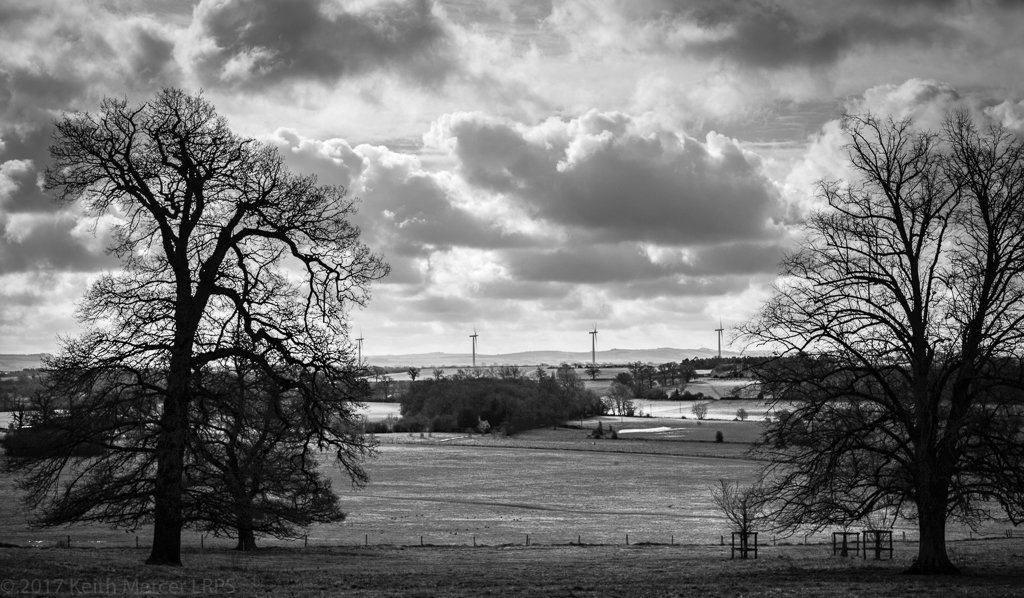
(215, 235)
(899, 324)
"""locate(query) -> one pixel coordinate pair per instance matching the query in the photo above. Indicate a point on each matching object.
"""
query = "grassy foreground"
(996, 569)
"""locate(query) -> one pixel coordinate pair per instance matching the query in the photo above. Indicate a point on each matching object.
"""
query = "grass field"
(995, 570)
(472, 500)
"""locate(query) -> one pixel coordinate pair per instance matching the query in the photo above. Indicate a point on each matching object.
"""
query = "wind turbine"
(593, 345)
(719, 330)
(473, 336)
(359, 345)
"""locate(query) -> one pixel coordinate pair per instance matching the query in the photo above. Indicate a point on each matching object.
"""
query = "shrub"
(377, 428)
(444, 423)
(719, 437)
(614, 435)
(655, 394)
(45, 441)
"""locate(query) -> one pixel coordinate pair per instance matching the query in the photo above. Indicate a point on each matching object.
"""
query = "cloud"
(407, 212)
(18, 189)
(63, 241)
(762, 34)
(1008, 113)
(925, 101)
(611, 177)
(46, 299)
(57, 56)
(251, 44)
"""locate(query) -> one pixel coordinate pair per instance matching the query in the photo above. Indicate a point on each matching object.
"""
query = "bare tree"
(414, 373)
(214, 230)
(510, 372)
(900, 324)
(699, 410)
(744, 507)
(620, 399)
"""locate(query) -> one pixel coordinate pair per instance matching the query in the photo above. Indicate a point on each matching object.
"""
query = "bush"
(655, 394)
(444, 423)
(719, 437)
(45, 441)
(506, 404)
(377, 427)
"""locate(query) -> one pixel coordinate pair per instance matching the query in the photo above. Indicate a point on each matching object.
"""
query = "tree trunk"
(246, 539)
(169, 485)
(932, 558)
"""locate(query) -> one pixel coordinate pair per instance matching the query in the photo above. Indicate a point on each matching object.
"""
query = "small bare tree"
(620, 398)
(510, 372)
(744, 507)
(699, 410)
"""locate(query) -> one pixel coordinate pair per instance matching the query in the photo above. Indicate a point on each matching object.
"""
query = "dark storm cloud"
(606, 175)
(250, 43)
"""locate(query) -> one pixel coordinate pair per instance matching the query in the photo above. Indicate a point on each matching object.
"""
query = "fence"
(354, 538)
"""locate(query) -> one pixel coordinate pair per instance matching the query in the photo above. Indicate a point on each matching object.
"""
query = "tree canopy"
(215, 235)
(898, 323)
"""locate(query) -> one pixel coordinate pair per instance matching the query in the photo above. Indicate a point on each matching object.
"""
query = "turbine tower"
(593, 346)
(473, 336)
(359, 345)
(719, 330)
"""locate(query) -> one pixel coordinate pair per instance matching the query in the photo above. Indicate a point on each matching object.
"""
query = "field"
(546, 512)
(640, 571)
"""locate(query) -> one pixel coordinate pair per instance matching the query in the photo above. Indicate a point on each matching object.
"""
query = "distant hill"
(660, 355)
(16, 363)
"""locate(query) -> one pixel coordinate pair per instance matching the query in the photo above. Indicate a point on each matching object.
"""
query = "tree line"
(506, 403)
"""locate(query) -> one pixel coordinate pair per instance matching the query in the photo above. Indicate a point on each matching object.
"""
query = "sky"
(531, 170)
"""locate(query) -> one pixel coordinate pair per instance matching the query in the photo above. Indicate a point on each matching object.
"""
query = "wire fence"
(351, 538)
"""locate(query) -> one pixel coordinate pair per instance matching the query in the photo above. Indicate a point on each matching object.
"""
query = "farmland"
(506, 571)
(557, 485)
(561, 488)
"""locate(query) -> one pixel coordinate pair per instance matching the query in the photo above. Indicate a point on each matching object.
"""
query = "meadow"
(449, 514)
